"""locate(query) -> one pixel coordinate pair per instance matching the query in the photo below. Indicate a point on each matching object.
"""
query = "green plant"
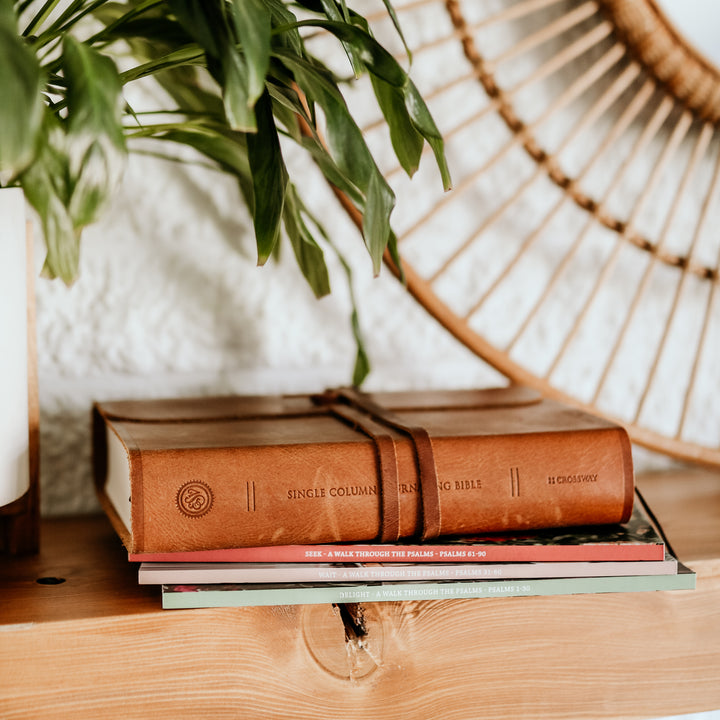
(240, 78)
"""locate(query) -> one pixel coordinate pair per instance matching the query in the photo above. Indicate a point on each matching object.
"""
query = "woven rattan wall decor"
(577, 252)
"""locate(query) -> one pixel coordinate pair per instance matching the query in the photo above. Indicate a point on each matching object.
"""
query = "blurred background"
(170, 300)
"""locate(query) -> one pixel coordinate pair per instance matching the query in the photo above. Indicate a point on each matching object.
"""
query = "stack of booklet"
(346, 497)
(630, 557)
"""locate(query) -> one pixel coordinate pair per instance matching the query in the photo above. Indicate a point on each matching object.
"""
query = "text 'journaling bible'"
(345, 466)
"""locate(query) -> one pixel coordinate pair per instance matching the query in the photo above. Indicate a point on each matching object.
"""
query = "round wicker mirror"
(578, 250)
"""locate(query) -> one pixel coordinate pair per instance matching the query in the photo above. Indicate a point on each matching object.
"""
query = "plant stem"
(131, 15)
(188, 55)
(40, 17)
(68, 19)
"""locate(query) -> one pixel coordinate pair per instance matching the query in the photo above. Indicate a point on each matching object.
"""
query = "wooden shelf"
(98, 645)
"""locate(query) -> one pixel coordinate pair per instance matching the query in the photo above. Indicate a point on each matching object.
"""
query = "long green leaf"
(21, 85)
(372, 54)
(376, 226)
(289, 37)
(361, 368)
(94, 93)
(334, 13)
(45, 184)
(308, 253)
(423, 121)
(350, 153)
(396, 24)
(394, 253)
(343, 136)
(208, 24)
(287, 108)
(251, 20)
(239, 108)
(81, 158)
(381, 64)
(96, 142)
(270, 179)
(332, 172)
(162, 49)
(203, 21)
(182, 57)
(407, 142)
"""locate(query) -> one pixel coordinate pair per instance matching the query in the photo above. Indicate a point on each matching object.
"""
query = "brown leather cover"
(242, 471)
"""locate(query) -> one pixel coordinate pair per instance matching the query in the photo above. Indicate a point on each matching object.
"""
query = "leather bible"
(345, 466)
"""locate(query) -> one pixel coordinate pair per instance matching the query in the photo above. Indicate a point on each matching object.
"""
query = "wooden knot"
(344, 640)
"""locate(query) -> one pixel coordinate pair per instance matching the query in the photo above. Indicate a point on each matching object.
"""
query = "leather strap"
(340, 401)
(388, 466)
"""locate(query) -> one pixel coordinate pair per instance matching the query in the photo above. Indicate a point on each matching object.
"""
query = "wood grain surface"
(98, 645)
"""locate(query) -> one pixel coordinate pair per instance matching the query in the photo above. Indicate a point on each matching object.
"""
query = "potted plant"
(240, 81)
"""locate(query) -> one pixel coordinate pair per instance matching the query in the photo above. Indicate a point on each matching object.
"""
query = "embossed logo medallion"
(194, 499)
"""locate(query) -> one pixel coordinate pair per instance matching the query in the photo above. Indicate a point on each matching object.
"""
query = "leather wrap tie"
(374, 420)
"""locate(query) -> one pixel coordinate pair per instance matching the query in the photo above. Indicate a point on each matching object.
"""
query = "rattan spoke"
(599, 68)
(679, 132)
(707, 309)
(703, 140)
(547, 33)
(631, 112)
